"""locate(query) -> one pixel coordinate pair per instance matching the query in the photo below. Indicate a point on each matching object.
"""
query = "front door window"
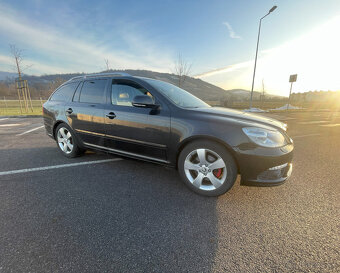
(123, 92)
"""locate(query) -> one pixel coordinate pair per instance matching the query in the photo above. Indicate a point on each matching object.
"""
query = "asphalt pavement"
(103, 213)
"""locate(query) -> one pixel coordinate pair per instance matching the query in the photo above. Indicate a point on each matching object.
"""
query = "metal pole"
(290, 92)
(257, 47)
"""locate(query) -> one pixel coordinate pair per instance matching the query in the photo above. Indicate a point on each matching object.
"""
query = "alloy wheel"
(205, 169)
(65, 141)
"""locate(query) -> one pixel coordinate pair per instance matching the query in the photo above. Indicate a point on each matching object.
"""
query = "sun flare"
(314, 57)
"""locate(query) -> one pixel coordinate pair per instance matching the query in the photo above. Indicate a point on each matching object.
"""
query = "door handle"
(69, 111)
(111, 115)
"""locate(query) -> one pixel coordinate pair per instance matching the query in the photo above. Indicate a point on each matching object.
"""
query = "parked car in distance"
(156, 121)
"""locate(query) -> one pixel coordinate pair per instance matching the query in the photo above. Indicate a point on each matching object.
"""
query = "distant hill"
(7, 75)
(41, 85)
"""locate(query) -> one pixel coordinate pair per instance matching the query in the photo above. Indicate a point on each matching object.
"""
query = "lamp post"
(257, 47)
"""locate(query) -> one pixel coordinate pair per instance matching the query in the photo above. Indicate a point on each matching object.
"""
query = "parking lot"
(100, 213)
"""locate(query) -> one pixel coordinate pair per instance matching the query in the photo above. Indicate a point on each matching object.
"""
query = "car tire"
(207, 168)
(66, 141)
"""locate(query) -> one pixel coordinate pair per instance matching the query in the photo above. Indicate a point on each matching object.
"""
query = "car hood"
(231, 113)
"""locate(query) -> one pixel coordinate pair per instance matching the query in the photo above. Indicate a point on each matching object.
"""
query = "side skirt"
(128, 154)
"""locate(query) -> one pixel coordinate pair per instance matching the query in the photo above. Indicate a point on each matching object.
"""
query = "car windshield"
(177, 95)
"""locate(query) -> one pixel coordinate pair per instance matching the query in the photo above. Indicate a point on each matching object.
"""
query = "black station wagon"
(156, 121)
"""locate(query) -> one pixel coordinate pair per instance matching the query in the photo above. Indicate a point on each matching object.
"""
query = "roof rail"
(100, 75)
(77, 77)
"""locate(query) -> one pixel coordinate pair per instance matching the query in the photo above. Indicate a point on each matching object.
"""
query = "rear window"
(93, 91)
(65, 92)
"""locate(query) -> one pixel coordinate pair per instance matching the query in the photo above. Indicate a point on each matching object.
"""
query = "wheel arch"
(191, 139)
(56, 124)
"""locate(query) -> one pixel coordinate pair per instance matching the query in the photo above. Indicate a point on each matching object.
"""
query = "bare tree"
(107, 64)
(182, 69)
(263, 93)
(24, 94)
(53, 85)
(18, 56)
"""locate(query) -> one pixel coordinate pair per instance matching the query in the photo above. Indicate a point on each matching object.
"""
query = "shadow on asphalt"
(22, 158)
(120, 216)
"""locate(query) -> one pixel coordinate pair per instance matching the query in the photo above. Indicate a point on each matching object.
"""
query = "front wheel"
(66, 141)
(207, 168)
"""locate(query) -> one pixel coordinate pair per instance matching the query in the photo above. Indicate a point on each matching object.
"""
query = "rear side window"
(64, 93)
(93, 91)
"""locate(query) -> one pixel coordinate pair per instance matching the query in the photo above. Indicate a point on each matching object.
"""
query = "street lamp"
(257, 47)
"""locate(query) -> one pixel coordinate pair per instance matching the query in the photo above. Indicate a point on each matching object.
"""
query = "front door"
(132, 130)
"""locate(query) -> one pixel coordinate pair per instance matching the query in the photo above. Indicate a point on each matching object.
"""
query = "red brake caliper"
(217, 172)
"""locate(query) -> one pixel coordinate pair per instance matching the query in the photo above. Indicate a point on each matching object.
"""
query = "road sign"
(292, 78)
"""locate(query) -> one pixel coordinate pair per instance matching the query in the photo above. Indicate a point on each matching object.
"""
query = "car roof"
(98, 75)
(114, 75)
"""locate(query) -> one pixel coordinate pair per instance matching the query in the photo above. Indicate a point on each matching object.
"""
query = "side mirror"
(144, 101)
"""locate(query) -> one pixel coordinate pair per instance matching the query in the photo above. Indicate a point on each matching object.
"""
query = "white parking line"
(330, 125)
(287, 118)
(305, 136)
(24, 133)
(313, 122)
(9, 125)
(3, 119)
(59, 166)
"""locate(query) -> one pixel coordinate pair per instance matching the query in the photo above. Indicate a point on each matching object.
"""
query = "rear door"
(54, 108)
(86, 112)
(137, 131)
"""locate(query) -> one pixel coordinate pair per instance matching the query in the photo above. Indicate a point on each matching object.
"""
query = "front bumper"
(271, 177)
(265, 166)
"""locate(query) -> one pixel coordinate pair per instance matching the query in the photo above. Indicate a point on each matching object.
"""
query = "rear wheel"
(207, 168)
(66, 141)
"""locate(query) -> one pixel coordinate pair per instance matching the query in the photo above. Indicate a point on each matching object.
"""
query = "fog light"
(275, 173)
(290, 169)
(278, 167)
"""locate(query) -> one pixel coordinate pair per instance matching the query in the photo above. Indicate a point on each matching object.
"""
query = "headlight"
(264, 137)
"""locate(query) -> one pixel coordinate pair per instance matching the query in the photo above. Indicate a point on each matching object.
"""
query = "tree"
(22, 86)
(55, 84)
(263, 93)
(182, 69)
(107, 64)
(18, 56)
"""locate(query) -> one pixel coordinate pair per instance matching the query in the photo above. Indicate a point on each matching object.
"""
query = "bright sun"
(314, 57)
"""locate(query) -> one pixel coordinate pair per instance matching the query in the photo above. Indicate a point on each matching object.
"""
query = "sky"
(217, 37)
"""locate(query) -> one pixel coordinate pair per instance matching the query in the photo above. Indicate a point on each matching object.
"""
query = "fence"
(12, 107)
